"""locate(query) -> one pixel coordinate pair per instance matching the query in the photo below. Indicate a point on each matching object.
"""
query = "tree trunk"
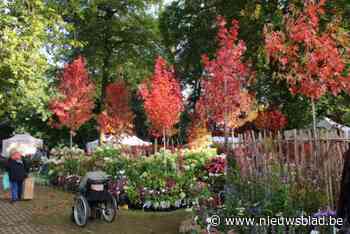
(226, 133)
(107, 55)
(314, 118)
(155, 145)
(101, 138)
(232, 135)
(317, 148)
(225, 117)
(70, 139)
(164, 139)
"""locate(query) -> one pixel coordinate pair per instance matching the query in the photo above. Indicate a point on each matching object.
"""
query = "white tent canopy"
(124, 140)
(91, 146)
(24, 143)
(327, 123)
(324, 123)
(133, 141)
(221, 139)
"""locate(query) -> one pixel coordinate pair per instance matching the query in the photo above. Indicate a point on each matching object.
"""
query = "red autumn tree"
(309, 55)
(162, 99)
(76, 101)
(117, 117)
(197, 132)
(272, 120)
(223, 97)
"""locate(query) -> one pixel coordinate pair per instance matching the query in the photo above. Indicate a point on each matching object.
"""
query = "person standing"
(16, 169)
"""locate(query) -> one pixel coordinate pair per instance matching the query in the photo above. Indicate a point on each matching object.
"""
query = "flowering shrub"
(65, 152)
(259, 185)
(216, 165)
(138, 151)
(65, 161)
(164, 180)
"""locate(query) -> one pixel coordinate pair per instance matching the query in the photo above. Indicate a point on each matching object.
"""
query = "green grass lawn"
(52, 209)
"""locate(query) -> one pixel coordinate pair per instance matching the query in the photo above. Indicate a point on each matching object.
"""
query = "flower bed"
(270, 191)
(162, 181)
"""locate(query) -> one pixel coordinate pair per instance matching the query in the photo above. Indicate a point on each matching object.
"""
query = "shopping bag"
(5, 182)
(28, 188)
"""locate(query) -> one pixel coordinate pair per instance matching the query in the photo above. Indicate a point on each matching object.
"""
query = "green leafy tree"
(119, 38)
(29, 32)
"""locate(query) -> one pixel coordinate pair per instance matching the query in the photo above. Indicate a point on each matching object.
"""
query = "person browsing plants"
(16, 169)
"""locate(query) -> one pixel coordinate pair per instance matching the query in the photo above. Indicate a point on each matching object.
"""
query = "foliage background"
(121, 39)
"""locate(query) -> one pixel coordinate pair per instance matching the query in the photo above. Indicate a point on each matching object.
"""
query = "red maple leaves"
(74, 107)
(162, 99)
(271, 120)
(223, 91)
(311, 60)
(118, 117)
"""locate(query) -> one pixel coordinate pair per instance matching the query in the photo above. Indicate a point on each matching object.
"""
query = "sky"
(167, 2)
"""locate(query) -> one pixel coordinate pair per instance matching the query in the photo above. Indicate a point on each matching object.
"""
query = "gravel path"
(16, 220)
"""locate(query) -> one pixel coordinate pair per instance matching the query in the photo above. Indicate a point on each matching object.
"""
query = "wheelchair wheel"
(81, 211)
(109, 210)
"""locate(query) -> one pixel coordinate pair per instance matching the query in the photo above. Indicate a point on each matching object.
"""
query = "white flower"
(163, 204)
(177, 203)
(147, 204)
(156, 205)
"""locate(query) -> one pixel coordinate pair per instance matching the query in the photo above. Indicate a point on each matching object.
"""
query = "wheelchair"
(94, 202)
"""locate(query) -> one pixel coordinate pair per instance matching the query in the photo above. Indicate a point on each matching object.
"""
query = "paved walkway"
(15, 219)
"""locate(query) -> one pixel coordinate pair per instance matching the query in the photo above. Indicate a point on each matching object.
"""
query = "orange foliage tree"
(310, 56)
(117, 117)
(162, 99)
(223, 97)
(75, 103)
(272, 120)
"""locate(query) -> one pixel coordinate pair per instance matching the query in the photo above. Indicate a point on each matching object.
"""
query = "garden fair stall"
(24, 143)
(165, 180)
(125, 140)
(327, 123)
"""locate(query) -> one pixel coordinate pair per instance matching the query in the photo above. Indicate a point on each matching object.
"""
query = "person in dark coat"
(17, 171)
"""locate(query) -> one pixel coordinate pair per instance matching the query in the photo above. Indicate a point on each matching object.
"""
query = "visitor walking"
(16, 169)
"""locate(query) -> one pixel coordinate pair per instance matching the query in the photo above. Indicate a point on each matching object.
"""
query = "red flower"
(216, 165)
